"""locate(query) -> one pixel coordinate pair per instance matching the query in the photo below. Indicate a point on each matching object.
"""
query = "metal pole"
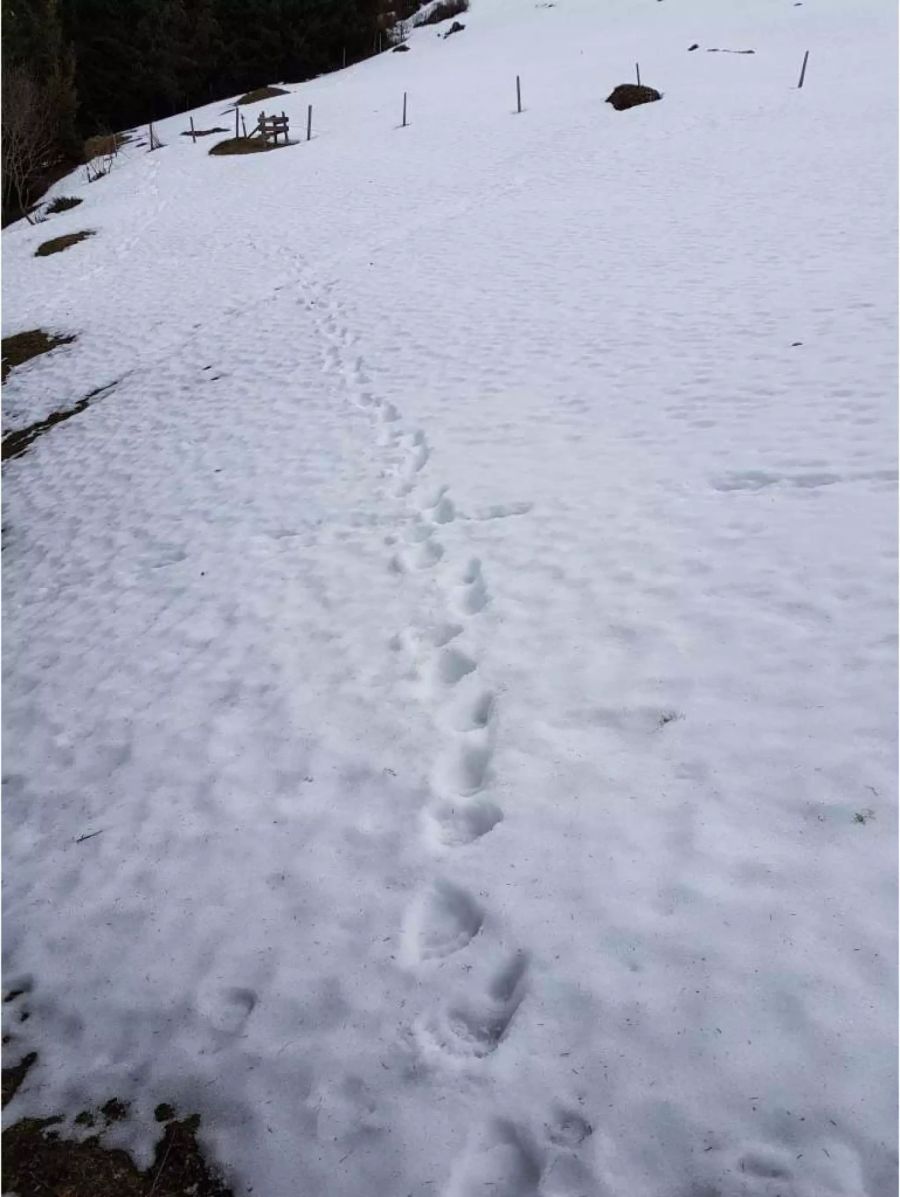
(518, 94)
(309, 123)
(637, 67)
(404, 110)
(803, 69)
(193, 134)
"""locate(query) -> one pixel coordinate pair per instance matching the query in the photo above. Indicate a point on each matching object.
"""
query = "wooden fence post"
(285, 126)
(803, 69)
(404, 110)
(518, 94)
(243, 125)
(309, 123)
(237, 117)
(193, 134)
(637, 68)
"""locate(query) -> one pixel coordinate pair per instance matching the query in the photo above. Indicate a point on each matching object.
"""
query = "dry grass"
(23, 346)
(627, 95)
(57, 244)
(63, 203)
(262, 93)
(103, 145)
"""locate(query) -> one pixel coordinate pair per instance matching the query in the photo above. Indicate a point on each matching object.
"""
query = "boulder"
(454, 28)
(626, 95)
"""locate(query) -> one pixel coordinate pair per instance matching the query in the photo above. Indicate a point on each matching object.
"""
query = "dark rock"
(400, 50)
(627, 95)
(695, 46)
(454, 28)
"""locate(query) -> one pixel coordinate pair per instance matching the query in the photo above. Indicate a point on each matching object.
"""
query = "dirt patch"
(57, 244)
(627, 95)
(262, 93)
(203, 132)
(13, 1077)
(242, 145)
(37, 1162)
(23, 346)
(17, 443)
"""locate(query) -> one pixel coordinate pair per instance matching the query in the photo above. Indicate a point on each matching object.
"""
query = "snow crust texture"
(466, 631)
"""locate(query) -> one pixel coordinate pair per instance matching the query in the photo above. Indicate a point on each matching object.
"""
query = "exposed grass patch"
(18, 442)
(23, 346)
(63, 203)
(262, 93)
(57, 244)
(242, 145)
(203, 132)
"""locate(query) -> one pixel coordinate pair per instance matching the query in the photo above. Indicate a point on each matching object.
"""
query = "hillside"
(450, 660)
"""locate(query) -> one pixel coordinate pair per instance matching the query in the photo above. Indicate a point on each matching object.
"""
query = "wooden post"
(637, 68)
(404, 110)
(237, 117)
(243, 125)
(284, 127)
(309, 123)
(345, 57)
(193, 134)
(803, 69)
(518, 94)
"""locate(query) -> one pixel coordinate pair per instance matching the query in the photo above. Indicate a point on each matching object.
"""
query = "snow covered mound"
(450, 675)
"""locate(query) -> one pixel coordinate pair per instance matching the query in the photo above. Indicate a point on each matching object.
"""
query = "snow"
(468, 629)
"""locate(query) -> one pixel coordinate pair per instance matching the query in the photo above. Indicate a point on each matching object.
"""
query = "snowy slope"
(469, 624)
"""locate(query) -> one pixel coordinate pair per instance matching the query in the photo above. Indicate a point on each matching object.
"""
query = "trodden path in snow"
(466, 631)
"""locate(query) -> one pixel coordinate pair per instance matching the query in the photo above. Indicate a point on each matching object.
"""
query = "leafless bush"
(29, 131)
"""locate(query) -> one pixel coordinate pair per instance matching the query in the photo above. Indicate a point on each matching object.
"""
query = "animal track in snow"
(470, 596)
(451, 666)
(469, 711)
(475, 1031)
(442, 922)
(453, 824)
(227, 1009)
(443, 512)
(502, 1162)
(423, 555)
(499, 511)
(462, 768)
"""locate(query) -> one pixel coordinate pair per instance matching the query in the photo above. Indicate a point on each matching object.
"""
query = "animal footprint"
(501, 1162)
(473, 1032)
(442, 922)
(470, 596)
(453, 824)
(463, 767)
(418, 454)
(227, 1009)
(470, 711)
(444, 511)
(424, 555)
(451, 666)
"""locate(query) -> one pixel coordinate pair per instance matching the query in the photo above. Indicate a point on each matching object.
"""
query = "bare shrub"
(29, 133)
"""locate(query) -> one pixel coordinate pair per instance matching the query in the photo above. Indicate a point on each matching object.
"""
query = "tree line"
(93, 66)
